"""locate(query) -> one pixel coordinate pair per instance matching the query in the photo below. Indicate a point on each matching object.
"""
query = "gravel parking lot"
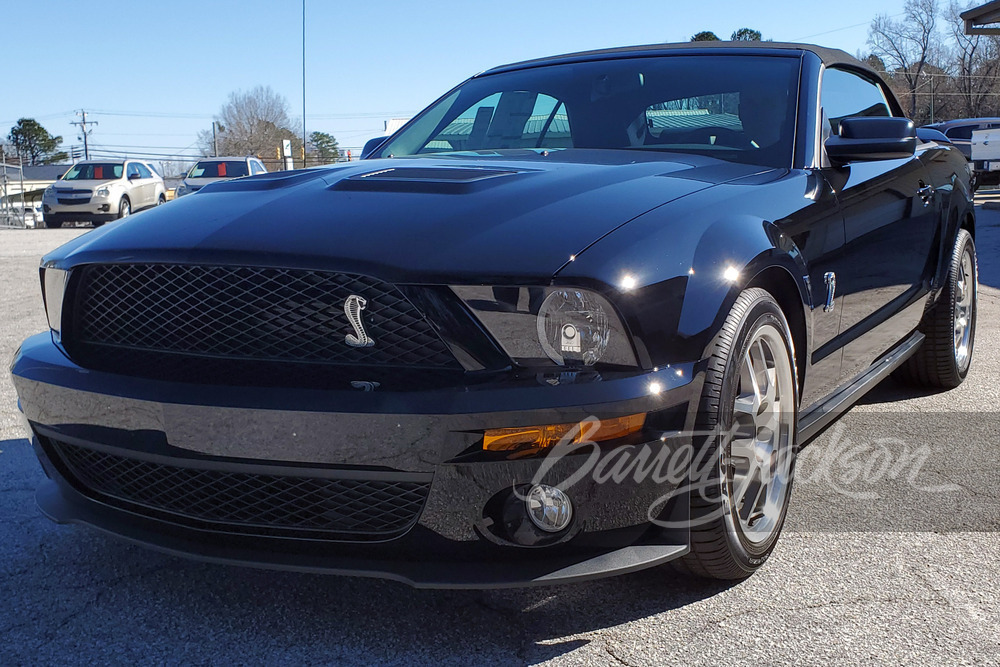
(891, 554)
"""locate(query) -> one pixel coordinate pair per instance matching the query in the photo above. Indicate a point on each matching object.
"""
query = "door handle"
(926, 193)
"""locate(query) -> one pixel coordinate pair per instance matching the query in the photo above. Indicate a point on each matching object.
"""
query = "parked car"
(572, 320)
(959, 132)
(97, 191)
(213, 170)
(27, 214)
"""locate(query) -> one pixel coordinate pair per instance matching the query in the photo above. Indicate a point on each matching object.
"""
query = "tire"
(53, 224)
(731, 539)
(949, 326)
(161, 200)
(124, 208)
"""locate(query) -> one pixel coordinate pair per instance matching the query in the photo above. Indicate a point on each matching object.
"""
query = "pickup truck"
(986, 157)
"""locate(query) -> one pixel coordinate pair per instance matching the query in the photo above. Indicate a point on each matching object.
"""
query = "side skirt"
(819, 415)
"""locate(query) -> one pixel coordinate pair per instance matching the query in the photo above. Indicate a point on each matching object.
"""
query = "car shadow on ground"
(988, 239)
(891, 390)
(358, 617)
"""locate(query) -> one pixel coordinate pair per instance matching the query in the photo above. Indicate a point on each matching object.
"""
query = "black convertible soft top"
(830, 57)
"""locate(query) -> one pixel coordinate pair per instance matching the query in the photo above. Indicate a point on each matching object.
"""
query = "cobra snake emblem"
(352, 308)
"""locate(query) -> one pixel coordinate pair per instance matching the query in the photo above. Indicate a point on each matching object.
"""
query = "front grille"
(246, 501)
(243, 313)
(75, 200)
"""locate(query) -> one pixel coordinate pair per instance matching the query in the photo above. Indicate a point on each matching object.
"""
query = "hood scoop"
(432, 180)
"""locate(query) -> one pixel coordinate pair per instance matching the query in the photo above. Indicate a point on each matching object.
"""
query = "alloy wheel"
(965, 299)
(758, 470)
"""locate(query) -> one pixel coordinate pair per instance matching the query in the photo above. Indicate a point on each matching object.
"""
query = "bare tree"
(907, 46)
(976, 62)
(252, 123)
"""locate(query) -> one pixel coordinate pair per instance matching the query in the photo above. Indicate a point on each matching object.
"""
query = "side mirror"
(865, 138)
(371, 145)
(133, 177)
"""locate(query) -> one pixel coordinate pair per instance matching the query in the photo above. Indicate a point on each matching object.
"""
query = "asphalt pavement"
(890, 554)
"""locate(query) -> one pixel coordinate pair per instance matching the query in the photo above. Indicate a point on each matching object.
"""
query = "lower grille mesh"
(243, 501)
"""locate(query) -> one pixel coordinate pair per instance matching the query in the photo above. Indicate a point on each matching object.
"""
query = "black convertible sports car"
(572, 320)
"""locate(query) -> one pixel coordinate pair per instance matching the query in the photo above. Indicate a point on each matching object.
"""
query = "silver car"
(213, 169)
(97, 191)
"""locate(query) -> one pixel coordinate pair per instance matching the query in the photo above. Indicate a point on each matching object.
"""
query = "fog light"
(549, 508)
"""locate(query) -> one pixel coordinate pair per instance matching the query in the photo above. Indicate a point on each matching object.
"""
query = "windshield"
(94, 172)
(215, 169)
(734, 107)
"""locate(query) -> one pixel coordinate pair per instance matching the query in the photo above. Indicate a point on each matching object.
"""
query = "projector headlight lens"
(573, 328)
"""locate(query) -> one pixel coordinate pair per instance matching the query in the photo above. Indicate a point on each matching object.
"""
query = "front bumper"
(455, 540)
(95, 209)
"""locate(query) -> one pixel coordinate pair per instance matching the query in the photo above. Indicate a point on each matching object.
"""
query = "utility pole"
(84, 131)
(215, 140)
(932, 97)
(21, 171)
(303, 84)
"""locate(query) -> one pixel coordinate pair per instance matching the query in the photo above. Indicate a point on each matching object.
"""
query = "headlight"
(180, 191)
(53, 288)
(49, 192)
(567, 326)
(103, 192)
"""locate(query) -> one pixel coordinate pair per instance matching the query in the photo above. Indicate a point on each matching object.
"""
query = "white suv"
(213, 169)
(98, 191)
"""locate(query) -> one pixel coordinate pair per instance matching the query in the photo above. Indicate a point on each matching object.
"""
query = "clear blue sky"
(153, 74)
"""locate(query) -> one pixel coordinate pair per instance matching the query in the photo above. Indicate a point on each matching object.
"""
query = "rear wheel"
(949, 326)
(748, 405)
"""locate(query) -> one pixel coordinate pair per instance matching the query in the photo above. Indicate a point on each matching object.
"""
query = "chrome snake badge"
(352, 308)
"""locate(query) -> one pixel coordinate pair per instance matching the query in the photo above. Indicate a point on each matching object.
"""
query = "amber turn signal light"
(543, 437)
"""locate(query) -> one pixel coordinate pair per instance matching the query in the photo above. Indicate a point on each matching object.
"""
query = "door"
(148, 185)
(134, 191)
(890, 211)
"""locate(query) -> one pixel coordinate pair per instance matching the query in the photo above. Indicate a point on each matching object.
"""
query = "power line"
(149, 114)
(846, 27)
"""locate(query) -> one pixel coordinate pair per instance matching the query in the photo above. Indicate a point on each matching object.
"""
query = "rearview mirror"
(872, 138)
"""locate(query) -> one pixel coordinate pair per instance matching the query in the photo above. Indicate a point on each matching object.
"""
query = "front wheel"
(747, 423)
(53, 223)
(124, 208)
(161, 200)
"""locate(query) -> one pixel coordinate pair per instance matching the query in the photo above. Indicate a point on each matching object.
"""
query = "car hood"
(508, 216)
